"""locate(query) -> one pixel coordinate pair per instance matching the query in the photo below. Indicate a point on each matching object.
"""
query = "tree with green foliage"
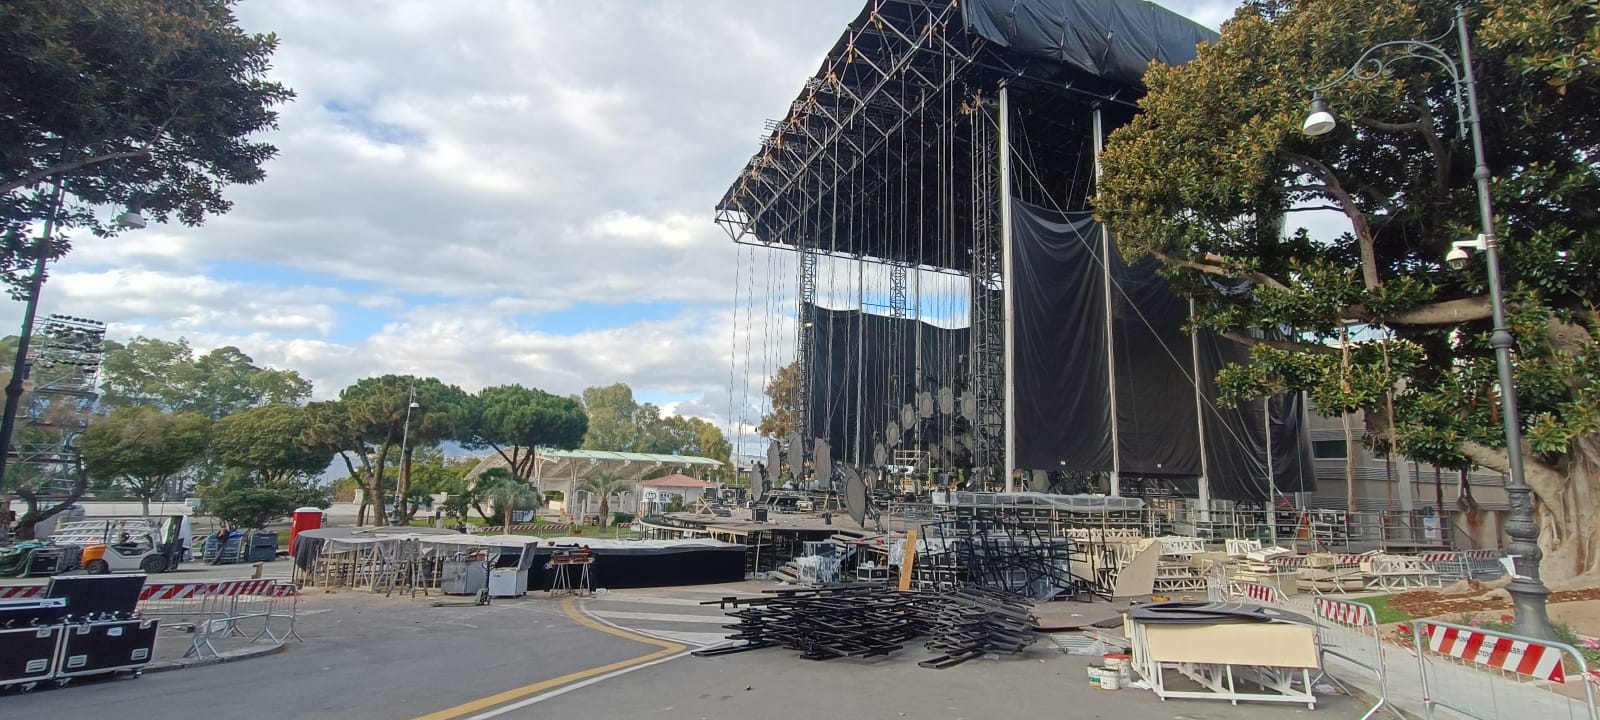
(266, 441)
(508, 492)
(604, 485)
(143, 449)
(368, 422)
(783, 393)
(151, 103)
(1377, 323)
(613, 418)
(150, 372)
(514, 421)
(241, 501)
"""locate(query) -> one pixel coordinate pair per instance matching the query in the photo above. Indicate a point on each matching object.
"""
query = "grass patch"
(1382, 611)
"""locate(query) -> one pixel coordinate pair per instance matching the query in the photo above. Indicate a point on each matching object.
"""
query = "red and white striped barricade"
(1450, 566)
(21, 592)
(1505, 655)
(1349, 631)
(1261, 593)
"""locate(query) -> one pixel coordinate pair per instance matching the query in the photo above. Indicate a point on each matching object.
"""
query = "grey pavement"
(365, 657)
(775, 684)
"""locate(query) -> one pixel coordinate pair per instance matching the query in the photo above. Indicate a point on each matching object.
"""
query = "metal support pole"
(1007, 275)
(1528, 593)
(1204, 489)
(19, 368)
(1111, 348)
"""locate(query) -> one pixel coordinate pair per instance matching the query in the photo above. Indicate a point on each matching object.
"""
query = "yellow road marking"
(570, 609)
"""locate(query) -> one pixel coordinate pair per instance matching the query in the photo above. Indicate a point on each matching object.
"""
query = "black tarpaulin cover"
(1063, 407)
(1063, 410)
(871, 366)
(1112, 39)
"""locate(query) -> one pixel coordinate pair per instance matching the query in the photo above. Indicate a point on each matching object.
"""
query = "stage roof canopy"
(874, 157)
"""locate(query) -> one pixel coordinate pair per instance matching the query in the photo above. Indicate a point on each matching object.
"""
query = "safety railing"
(1349, 631)
(1487, 674)
(208, 612)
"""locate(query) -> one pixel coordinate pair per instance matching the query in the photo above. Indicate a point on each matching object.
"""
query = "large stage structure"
(943, 141)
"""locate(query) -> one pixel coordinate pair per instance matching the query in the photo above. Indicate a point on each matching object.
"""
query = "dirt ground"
(1583, 616)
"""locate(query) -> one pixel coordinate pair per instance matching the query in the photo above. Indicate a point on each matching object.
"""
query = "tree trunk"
(1569, 522)
(510, 507)
(361, 513)
(35, 515)
(144, 502)
(605, 510)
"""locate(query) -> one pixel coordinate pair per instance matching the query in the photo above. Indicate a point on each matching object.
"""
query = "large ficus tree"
(149, 102)
(1373, 321)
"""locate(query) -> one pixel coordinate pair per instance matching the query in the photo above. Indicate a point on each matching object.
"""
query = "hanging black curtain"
(852, 362)
(1157, 434)
(1063, 411)
(1236, 448)
(1292, 464)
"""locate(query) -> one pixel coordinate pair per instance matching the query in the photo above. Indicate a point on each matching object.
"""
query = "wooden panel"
(1276, 644)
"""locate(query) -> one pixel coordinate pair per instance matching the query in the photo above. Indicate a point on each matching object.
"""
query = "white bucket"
(1110, 680)
(1095, 674)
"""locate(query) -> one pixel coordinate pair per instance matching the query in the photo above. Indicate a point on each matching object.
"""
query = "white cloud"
(451, 171)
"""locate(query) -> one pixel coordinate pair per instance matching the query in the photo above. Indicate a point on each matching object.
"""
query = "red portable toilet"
(306, 518)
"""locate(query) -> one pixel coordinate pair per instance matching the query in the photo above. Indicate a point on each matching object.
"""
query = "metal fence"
(1487, 674)
(206, 613)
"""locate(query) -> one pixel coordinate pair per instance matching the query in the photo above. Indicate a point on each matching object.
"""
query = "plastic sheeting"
(1063, 407)
(855, 356)
(1111, 39)
(1063, 410)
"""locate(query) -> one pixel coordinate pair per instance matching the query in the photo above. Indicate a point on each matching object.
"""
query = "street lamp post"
(405, 459)
(1528, 593)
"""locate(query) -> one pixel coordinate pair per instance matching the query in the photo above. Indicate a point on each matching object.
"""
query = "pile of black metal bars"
(869, 619)
(973, 622)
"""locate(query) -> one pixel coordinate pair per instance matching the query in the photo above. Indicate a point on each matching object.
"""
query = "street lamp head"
(415, 405)
(131, 219)
(1320, 121)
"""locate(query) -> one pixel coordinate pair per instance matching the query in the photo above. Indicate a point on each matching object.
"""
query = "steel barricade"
(1519, 676)
(1349, 631)
(1483, 564)
(1449, 566)
(285, 606)
(1259, 593)
(183, 609)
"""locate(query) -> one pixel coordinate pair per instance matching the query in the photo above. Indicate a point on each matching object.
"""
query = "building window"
(1327, 449)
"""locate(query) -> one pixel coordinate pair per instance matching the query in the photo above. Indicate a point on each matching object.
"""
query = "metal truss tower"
(61, 386)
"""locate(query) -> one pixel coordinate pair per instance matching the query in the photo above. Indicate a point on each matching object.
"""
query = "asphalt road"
(365, 656)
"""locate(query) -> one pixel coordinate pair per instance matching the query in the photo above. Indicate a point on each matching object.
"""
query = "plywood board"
(1276, 644)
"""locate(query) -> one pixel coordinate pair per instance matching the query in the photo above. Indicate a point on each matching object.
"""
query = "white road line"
(650, 600)
(697, 639)
(662, 617)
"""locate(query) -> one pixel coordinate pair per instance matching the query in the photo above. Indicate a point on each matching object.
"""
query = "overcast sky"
(489, 192)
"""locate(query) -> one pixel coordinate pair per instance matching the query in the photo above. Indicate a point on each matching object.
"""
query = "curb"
(231, 656)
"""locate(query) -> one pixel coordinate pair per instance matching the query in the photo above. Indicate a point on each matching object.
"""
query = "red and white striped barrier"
(174, 591)
(1351, 559)
(1435, 557)
(1263, 593)
(1502, 653)
(1289, 561)
(21, 592)
(1344, 612)
(1483, 554)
